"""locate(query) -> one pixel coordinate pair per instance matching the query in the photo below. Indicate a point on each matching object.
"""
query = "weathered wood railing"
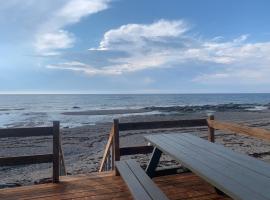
(113, 151)
(56, 157)
(236, 128)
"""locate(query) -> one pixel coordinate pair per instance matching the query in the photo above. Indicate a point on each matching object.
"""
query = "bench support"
(153, 163)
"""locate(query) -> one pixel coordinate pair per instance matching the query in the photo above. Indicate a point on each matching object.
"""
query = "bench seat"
(139, 184)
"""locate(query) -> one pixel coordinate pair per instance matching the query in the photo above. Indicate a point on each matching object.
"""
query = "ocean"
(84, 109)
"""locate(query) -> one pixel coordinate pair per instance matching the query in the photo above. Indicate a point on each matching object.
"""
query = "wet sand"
(83, 146)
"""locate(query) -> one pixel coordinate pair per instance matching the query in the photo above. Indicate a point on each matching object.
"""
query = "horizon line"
(122, 93)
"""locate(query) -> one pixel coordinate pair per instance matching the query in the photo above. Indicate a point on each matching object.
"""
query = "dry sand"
(83, 146)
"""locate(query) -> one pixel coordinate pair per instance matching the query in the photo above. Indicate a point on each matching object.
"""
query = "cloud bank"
(166, 43)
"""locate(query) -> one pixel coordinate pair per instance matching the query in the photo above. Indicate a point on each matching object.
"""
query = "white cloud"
(40, 23)
(52, 41)
(82, 67)
(167, 43)
(51, 37)
(138, 34)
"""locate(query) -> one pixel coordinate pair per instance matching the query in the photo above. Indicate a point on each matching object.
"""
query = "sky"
(134, 46)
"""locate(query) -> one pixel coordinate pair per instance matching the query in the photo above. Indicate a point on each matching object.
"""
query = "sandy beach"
(83, 146)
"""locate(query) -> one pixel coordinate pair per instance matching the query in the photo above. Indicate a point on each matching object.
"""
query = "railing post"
(211, 131)
(113, 159)
(116, 141)
(56, 144)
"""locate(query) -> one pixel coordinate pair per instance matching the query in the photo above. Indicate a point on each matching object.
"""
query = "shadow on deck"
(106, 186)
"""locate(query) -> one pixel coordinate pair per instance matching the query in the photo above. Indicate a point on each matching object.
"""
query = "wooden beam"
(56, 151)
(124, 151)
(211, 131)
(26, 132)
(153, 163)
(161, 124)
(24, 160)
(241, 129)
(171, 171)
(116, 145)
(106, 151)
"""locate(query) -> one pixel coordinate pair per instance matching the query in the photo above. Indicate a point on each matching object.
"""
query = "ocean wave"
(219, 107)
(106, 112)
(10, 109)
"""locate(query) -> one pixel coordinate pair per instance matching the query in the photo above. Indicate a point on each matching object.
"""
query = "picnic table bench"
(237, 175)
(138, 182)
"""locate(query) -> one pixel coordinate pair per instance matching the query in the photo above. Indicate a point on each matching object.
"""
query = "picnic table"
(237, 175)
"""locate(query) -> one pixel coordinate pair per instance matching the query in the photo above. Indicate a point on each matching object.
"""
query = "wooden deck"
(106, 186)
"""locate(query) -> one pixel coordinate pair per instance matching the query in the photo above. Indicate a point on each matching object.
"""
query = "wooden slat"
(260, 167)
(153, 163)
(116, 145)
(236, 128)
(90, 186)
(147, 183)
(170, 171)
(26, 132)
(136, 189)
(161, 124)
(23, 160)
(56, 151)
(124, 151)
(207, 166)
(243, 173)
(106, 151)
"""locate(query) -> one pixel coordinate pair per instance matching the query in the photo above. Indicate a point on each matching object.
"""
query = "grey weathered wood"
(259, 166)
(165, 171)
(236, 171)
(23, 160)
(135, 187)
(153, 163)
(26, 132)
(116, 145)
(116, 139)
(161, 124)
(234, 179)
(140, 185)
(124, 151)
(211, 130)
(56, 151)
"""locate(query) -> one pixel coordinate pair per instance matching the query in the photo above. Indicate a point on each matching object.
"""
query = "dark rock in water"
(195, 108)
(76, 107)
(44, 180)
(9, 185)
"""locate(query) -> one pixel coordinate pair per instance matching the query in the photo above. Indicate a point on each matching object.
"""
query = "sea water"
(38, 110)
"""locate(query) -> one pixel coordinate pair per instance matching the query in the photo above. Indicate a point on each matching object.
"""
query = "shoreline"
(83, 146)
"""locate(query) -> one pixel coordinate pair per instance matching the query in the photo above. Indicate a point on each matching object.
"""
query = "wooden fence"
(113, 151)
(56, 157)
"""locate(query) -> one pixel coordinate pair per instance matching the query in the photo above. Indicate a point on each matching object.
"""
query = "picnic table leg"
(153, 163)
(219, 192)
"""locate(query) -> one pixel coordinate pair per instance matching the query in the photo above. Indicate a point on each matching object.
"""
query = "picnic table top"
(239, 176)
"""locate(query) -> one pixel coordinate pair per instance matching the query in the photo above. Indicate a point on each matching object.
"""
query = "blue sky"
(134, 46)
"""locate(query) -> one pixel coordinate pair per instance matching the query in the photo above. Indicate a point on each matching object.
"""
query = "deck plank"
(105, 186)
